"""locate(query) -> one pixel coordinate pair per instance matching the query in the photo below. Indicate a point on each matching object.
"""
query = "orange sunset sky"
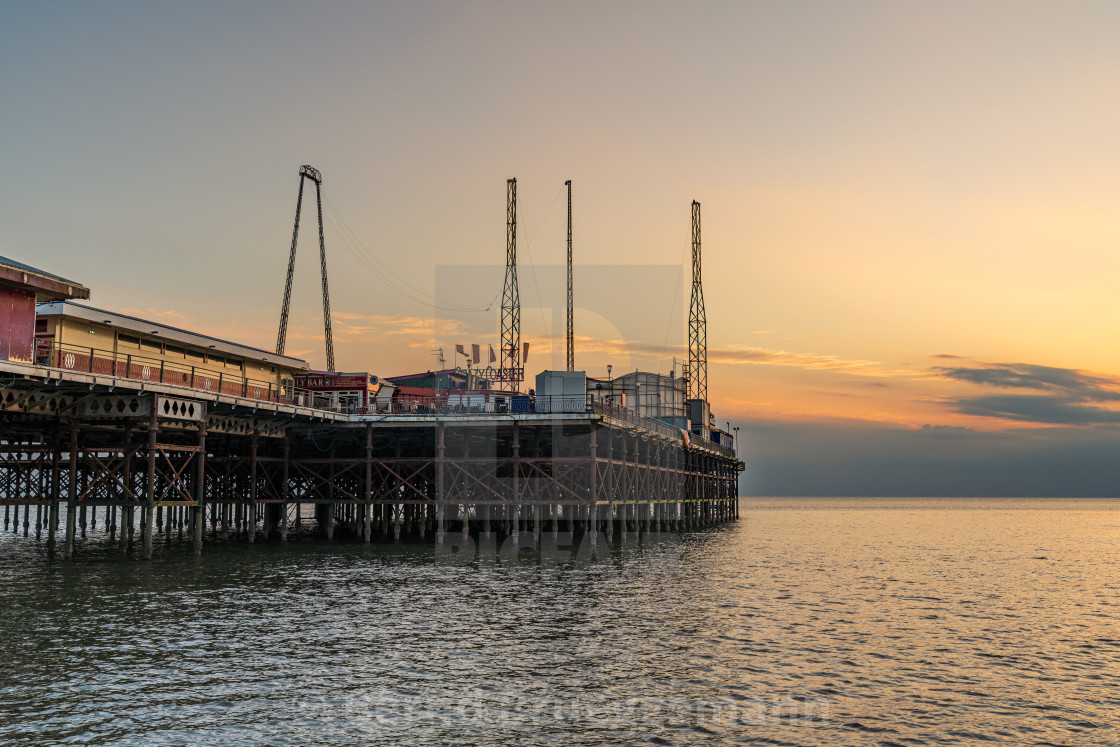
(909, 209)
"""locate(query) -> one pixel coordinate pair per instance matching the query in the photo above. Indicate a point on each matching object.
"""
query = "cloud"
(744, 354)
(947, 429)
(738, 354)
(1072, 382)
(1060, 396)
(1036, 408)
(350, 327)
(170, 318)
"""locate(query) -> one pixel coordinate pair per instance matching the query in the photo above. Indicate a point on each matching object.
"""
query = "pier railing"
(458, 403)
(157, 371)
(618, 412)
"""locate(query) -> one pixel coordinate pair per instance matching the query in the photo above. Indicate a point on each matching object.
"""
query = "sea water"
(806, 622)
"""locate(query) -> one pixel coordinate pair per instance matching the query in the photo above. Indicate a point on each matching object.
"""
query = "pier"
(149, 461)
(159, 434)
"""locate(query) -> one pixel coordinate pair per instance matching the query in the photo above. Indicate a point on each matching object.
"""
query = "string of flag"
(476, 353)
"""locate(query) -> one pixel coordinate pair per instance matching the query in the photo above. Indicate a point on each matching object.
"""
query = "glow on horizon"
(881, 183)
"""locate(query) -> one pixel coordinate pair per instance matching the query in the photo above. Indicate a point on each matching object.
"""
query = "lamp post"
(610, 385)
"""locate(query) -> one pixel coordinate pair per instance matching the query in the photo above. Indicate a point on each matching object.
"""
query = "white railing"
(466, 403)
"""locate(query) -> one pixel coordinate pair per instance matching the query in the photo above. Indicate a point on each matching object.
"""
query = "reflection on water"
(808, 622)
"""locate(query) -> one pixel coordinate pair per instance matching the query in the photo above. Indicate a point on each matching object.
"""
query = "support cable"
(385, 273)
(367, 259)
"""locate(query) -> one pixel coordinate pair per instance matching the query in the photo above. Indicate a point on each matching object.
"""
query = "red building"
(21, 287)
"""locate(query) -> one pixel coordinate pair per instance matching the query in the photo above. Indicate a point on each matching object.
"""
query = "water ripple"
(807, 623)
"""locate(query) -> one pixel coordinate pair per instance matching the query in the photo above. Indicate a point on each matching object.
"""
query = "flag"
(475, 354)
(460, 351)
(492, 356)
(525, 355)
(685, 439)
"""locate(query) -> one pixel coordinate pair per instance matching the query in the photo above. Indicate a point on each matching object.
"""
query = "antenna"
(438, 353)
(307, 172)
(510, 371)
(697, 321)
(571, 324)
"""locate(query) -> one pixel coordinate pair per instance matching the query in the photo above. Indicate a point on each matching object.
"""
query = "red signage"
(320, 382)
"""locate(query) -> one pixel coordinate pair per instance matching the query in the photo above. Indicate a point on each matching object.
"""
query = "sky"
(910, 223)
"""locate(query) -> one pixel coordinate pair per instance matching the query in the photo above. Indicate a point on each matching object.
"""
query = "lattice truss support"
(28, 472)
(148, 452)
(108, 461)
(468, 466)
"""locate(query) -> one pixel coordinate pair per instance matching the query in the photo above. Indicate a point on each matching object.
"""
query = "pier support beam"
(72, 499)
(441, 480)
(367, 518)
(52, 519)
(198, 511)
(516, 497)
(284, 493)
(150, 484)
(593, 464)
(251, 513)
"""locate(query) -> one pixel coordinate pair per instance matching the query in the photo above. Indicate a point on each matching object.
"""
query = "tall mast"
(697, 321)
(571, 323)
(511, 300)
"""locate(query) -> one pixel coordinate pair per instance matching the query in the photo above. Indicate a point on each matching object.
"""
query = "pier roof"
(45, 285)
(165, 332)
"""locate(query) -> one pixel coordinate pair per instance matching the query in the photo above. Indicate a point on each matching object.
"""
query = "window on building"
(128, 340)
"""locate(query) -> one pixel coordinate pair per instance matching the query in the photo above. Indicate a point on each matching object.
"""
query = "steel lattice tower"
(511, 299)
(307, 172)
(571, 316)
(697, 321)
